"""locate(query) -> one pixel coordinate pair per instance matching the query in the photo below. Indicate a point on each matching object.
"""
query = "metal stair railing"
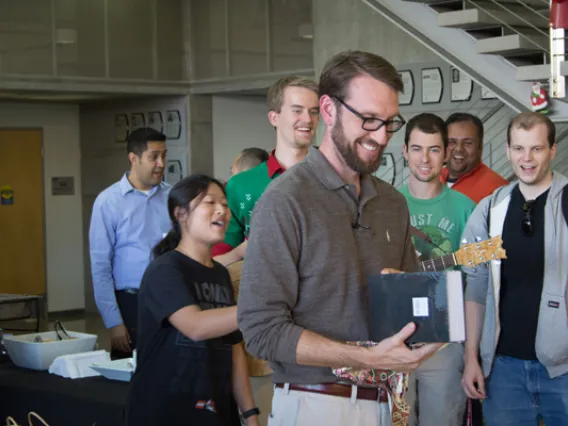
(510, 11)
(496, 119)
(553, 54)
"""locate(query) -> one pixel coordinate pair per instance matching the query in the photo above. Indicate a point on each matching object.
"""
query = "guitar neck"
(439, 263)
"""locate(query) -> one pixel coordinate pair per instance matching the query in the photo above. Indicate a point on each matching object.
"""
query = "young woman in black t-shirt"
(191, 365)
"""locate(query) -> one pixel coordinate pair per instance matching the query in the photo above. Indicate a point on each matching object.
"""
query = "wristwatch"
(249, 413)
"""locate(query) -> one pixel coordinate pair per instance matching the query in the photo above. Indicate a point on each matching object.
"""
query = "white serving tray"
(26, 352)
(120, 369)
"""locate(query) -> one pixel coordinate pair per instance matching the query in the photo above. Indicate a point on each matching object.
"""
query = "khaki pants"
(295, 408)
(435, 390)
(262, 388)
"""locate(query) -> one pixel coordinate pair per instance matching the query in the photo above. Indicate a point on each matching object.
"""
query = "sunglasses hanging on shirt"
(527, 224)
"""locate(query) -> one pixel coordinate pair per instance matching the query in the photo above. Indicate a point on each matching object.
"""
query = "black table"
(60, 401)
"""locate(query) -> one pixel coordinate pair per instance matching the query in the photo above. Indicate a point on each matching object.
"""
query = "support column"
(200, 133)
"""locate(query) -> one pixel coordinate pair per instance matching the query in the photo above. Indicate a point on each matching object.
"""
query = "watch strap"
(252, 412)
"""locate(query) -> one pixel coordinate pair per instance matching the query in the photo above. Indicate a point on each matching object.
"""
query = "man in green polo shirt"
(293, 111)
(434, 393)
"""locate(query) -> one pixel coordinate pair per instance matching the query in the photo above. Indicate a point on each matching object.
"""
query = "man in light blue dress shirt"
(129, 218)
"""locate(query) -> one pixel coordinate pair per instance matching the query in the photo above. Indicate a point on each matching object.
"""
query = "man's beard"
(349, 151)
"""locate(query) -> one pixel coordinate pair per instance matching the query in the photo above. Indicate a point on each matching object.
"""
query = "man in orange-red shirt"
(464, 171)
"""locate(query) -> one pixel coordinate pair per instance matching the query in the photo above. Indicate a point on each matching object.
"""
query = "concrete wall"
(351, 24)
(201, 134)
(239, 122)
(249, 37)
(32, 31)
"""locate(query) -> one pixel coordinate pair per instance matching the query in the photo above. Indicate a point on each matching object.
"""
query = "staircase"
(503, 45)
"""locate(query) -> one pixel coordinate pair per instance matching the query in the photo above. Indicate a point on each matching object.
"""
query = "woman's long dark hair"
(181, 195)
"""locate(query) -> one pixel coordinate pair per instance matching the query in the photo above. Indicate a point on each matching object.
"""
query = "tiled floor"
(93, 324)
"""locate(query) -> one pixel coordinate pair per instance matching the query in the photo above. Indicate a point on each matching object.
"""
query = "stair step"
(473, 19)
(483, 33)
(538, 58)
(441, 6)
(533, 73)
(539, 72)
(533, 3)
(435, 2)
(511, 45)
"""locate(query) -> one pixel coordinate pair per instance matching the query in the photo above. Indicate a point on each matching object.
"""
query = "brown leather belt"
(337, 389)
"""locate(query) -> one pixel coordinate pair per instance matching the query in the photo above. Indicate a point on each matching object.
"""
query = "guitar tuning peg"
(464, 241)
(478, 239)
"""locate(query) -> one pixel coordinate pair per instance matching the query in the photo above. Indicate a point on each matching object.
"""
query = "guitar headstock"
(475, 253)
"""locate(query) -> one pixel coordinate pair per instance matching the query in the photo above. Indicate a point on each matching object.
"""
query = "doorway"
(22, 230)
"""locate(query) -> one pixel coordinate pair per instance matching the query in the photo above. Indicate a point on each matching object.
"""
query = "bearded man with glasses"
(319, 231)
(516, 309)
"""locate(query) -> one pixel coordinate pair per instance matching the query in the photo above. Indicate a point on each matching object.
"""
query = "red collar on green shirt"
(273, 165)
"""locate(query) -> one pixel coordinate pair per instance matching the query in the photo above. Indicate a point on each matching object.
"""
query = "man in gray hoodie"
(516, 308)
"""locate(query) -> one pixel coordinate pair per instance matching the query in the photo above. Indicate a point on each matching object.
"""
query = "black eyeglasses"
(371, 124)
(526, 224)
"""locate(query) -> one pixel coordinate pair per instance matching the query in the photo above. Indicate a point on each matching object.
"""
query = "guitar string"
(439, 260)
